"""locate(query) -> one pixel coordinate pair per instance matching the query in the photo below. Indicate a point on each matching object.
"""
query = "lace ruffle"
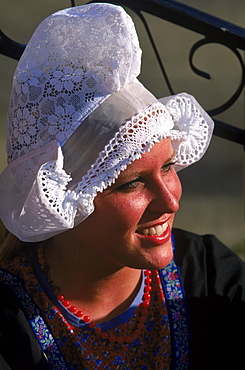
(48, 208)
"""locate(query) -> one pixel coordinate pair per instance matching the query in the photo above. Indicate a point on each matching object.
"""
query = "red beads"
(120, 340)
(98, 330)
(72, 309)
(146, 301)
(148, 280)
(145, 304)
(140, 325)
(147, 289)
(79, 314)
(66, 303)
(104, 335)
(112, 338)
(146, 296)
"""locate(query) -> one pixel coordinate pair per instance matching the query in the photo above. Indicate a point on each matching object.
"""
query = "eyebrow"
(171, 157)
(124, 177)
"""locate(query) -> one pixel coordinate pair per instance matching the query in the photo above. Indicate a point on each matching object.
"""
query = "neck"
(90, 285)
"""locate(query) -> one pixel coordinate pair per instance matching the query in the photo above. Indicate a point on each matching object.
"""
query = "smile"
(158, 234)
(156, 230)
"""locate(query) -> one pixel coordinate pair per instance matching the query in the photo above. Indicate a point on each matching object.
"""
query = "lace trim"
(194, 124)
(75, 59)
(134, 138)
(48, 208)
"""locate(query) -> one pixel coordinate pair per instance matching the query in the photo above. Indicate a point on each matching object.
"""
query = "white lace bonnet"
(76, 95)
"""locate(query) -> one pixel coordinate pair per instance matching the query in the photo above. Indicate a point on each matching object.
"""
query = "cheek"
(178, 187)
(130, 211)
(175, 186)
(123, 212)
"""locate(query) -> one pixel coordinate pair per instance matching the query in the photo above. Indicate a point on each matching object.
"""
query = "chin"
(156, 260)
(161, 258)
(163, 262)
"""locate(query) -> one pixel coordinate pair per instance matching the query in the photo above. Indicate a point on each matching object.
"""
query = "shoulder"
(208, 266)
(214, 283)
(19, 348)
(193, 244)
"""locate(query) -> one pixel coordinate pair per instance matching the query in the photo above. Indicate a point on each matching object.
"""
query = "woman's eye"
(167, 166)
(135, 183)
(130, 185)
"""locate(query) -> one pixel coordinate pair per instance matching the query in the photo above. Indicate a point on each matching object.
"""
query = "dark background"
(213, 188)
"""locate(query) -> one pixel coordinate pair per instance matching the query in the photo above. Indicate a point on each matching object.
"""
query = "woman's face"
(132, 221)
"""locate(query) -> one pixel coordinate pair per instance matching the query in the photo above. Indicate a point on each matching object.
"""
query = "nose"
(165, 195)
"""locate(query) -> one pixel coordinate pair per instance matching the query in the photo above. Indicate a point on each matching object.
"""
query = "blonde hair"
(10, 245)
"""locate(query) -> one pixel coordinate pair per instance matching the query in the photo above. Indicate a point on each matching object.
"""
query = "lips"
(158, 234)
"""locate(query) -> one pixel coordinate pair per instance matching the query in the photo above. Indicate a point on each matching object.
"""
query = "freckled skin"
(109, 234)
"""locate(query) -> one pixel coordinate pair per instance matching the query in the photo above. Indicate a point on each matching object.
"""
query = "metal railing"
(214, 30)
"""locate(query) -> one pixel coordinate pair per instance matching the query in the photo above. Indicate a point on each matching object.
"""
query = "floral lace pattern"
(75, 59)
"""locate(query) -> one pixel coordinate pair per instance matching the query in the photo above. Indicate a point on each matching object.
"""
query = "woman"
(88, 278)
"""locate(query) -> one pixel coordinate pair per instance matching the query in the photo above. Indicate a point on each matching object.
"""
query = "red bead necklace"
(146, 299)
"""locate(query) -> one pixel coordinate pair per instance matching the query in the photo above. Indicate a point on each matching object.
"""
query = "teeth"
(158, 230)
(152, 231)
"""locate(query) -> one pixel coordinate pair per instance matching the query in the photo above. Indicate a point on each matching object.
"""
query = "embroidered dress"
(70, 344)
(213, 278)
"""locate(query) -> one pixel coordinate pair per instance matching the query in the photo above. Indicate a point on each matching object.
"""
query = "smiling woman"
(93, 274)
(129, 214)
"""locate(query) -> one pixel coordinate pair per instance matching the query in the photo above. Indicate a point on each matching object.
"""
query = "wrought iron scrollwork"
(203, 74)
(9, 47)
(215, 30)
